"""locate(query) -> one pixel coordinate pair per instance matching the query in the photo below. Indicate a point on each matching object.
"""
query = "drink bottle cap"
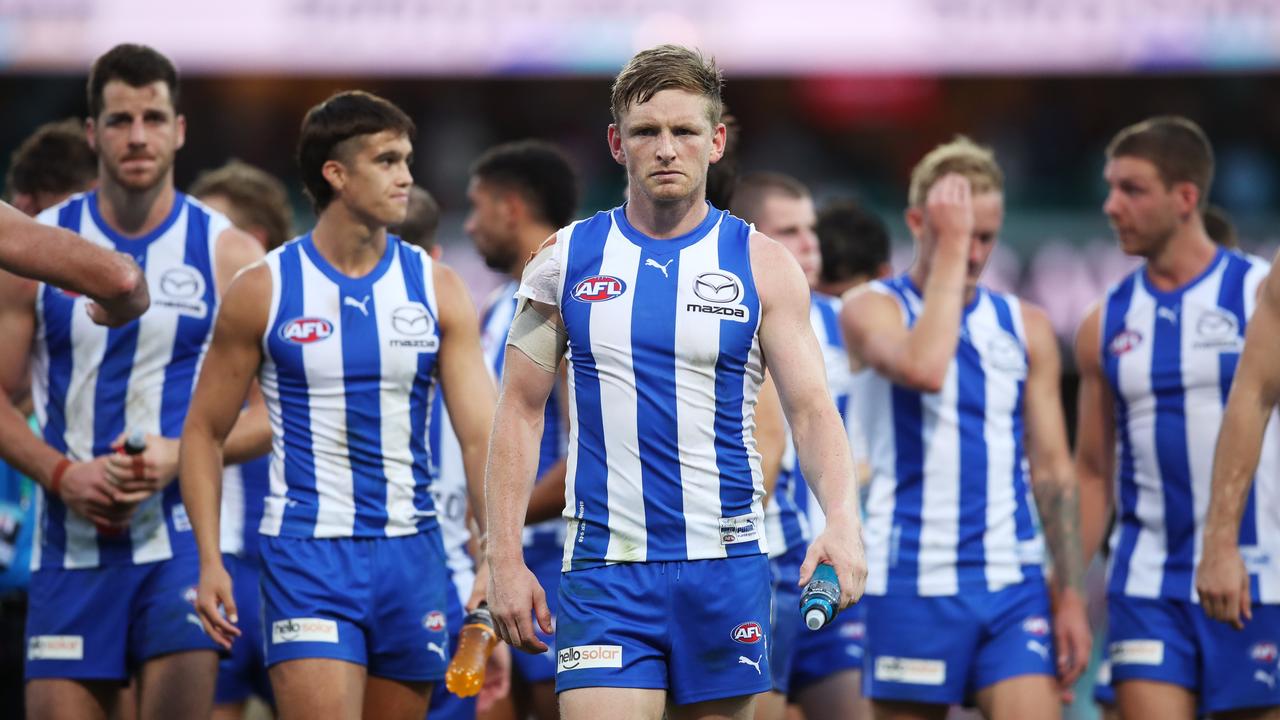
(815, 618)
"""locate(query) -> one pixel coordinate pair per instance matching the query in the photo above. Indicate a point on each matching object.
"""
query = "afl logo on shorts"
(304, 331)
(434, 621)
(598, 288)
(748, 633)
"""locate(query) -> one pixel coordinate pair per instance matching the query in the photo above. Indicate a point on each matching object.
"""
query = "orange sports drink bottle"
(465, 675)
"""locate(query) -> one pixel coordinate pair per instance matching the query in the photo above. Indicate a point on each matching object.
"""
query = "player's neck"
(663, 221)
(530, 240)
(1182, 259)
(134, 213)
(351, 246)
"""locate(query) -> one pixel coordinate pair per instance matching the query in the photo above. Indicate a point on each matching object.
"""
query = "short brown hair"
(754, 187)
(667, 67)
(56, 158)
(134, 65)
(343, 116)
(1175, 145)
(962, 156)
(258, 197)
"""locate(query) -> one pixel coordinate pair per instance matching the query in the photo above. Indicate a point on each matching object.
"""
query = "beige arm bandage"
(541, 337)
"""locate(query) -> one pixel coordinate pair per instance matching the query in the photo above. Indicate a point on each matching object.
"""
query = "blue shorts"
(945, 649)
(545, 564)
(445, 705)
(696, 628)
(101, 623)
(785, 620)
(1104, 693)
(1173, 641)
(834, 648)
(244, 672)
(377, 602)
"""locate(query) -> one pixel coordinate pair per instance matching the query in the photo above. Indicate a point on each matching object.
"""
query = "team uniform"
(544, 541)
(449, 493)
(1169, 359)
(666, 577)
(837, 646)
(955, 599)
(243, 672)
(103, 601)
(353, 564)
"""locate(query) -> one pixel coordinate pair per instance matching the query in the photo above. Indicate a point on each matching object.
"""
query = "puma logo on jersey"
(1167, 313)
(361, 304)
(650, 262)
(744, 660)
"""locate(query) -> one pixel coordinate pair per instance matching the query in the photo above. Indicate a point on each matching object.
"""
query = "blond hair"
(667, 67)
(963, 156)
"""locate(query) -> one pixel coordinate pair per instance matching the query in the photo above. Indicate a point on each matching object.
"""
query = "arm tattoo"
(1059, 505)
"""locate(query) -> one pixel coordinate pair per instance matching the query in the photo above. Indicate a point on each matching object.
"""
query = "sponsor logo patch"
(415, 326)
(583, 657)
(740, 529)
(598, 288)
(748, 633)
(1137, 652)
(912, 671)
(55, 647)
(306, 330)
(304, 630)
(721, 294)
(182, 289)
(181, 521)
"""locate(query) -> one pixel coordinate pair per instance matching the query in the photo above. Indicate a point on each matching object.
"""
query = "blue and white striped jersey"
(91, 383)
(348, 374)
(949, 508)
(1169, 359)
(664, 369)
(793, 516)
(244, 493)
(546, 537)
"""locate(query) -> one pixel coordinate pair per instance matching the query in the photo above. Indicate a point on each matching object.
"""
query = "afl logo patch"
(1124, 342)
(748, 633)
(598, 288)
(304, 331)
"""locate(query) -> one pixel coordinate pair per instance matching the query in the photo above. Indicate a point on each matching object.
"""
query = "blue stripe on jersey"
(908, 441)
(302, 500)
(1025, 527)
(737, 486)
(424, 395)
(653, 333)
(591, 477)
(191, 333)
(971, 410)
(1127, 514)
(1231, 298)
(499, 355)
(1171, 448)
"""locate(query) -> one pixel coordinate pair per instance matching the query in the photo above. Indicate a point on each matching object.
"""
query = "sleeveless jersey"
(793, 517)
(547, 536)
(348, 374)
(664, 369)
(1169, 359)
(949, 507)
(244, 491)
(91, 383)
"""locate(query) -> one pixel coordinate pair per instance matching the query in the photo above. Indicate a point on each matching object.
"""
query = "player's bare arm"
(62, 258)
(1054, 482)
(547, 500)
(794, 358)
(513, 464)
(150, 471)
(225, 378)
(1221, 578)
(1095, 436)
(469, 394)
(875, 332)
(83, 486)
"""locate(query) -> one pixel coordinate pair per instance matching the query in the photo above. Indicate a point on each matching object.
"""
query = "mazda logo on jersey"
(717, 287)
(182, 283)
(411, 320)
(598, 288)
(1216, 325)
(306, 330)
